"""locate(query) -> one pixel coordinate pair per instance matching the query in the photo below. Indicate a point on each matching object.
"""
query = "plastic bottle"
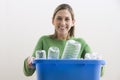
(71, 50)
(41, 54)
(93, 56)
(53, 52)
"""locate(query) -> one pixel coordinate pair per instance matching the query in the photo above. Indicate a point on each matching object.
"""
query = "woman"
(64, 23)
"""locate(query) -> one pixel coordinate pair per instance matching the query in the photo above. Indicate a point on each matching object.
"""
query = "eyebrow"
(65, 16)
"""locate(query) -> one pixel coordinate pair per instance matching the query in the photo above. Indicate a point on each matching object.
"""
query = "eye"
(59, 18)
(67, 19)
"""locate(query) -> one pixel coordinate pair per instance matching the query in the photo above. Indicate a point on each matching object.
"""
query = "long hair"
(69, 8)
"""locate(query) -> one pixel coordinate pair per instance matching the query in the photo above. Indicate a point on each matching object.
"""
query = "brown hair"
(69, 8)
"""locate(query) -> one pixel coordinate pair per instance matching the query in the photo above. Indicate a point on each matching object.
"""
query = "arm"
(85, 50)
(102, 71)
(27, 68)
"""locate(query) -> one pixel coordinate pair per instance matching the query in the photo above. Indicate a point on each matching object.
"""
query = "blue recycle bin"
(68, 69)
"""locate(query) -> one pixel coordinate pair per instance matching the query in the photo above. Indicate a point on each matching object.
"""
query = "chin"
(63, 34)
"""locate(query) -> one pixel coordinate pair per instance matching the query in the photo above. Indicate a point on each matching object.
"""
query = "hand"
(29, 62)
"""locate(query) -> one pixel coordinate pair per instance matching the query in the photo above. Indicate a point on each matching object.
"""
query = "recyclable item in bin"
(87, 56)
(53, 52)
(71, 50)
(41, 54)
(93, 56)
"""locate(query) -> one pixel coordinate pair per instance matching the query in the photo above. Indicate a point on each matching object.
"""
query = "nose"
(63, 22)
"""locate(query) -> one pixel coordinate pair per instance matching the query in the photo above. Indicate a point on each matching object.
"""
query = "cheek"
(56, 23)
(69, 25)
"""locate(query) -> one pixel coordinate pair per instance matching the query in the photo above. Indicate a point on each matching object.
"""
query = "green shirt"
(46, 41)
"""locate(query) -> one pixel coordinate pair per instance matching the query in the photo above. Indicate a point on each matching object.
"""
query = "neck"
(62, 37)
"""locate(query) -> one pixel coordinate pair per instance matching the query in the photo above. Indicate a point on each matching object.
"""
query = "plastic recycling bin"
(48, 69)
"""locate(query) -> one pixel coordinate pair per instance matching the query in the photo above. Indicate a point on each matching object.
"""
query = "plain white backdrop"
(22, 22)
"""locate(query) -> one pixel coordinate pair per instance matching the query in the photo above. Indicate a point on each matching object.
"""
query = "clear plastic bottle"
(53, 52)
(41, 54)
(71, 50)
(93, 56)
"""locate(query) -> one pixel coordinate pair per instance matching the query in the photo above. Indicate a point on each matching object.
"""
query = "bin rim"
(66, 61)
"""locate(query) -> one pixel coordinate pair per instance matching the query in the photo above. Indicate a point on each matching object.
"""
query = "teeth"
(62, 28)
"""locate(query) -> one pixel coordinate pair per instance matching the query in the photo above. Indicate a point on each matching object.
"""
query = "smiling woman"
(63, 20)
(63, 23)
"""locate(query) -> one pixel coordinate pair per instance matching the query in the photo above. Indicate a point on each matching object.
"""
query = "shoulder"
(84, 44)
(44, 37)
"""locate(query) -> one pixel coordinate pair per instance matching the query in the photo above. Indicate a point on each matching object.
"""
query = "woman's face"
(63, 22)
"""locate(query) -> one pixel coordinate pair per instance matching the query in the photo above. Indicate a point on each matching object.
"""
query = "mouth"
(62, 27)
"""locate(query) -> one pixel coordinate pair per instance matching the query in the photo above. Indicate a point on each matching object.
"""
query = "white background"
(22, 22)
